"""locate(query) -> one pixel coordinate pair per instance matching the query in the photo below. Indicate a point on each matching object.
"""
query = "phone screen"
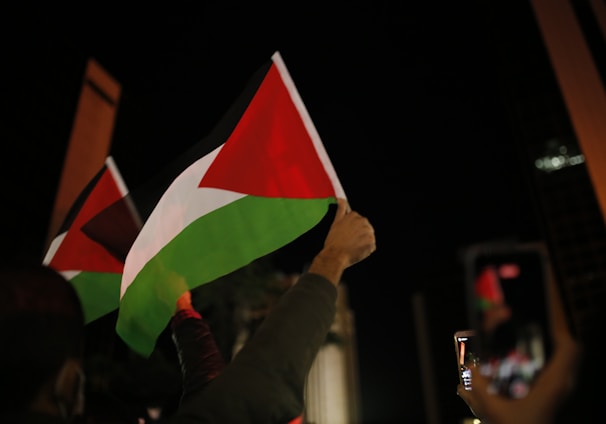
(508, 298)
(466, 355)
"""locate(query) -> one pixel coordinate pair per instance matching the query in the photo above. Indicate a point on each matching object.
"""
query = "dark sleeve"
(199, 356)
(265, 382)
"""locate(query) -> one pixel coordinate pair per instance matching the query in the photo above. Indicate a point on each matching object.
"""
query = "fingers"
(468, 397)
(373, 238)
(478, 380)
(352, 230)
(462, 393)
(184, 301)
(478, 399)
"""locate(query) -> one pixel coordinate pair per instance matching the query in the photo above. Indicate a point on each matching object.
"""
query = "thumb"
(342, 209)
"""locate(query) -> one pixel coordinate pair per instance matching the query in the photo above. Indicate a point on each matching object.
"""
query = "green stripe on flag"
(210, 247)
(99, 293)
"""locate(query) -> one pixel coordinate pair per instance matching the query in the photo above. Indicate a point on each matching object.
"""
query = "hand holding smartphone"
(507, 296)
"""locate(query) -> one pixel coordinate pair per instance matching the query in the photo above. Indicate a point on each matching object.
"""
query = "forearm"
(329, 264)
(199, 356)
(297, 325)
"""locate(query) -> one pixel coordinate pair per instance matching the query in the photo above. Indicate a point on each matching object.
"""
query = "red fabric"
(289, 165)
(488, 287)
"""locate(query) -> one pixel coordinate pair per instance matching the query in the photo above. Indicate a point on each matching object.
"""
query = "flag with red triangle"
(94, 268)
(260, 180)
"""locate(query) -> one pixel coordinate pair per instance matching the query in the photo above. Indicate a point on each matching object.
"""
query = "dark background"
(411, 100)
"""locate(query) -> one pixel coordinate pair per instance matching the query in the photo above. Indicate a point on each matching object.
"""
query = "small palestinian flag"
(95, 267)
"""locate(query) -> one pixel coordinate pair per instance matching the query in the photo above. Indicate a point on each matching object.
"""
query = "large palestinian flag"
(260, 180)
(90, 252)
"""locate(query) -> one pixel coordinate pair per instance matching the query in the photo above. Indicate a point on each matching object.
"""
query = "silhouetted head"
(42, 326)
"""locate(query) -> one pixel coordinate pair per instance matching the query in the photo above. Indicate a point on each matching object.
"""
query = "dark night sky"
(405, 95)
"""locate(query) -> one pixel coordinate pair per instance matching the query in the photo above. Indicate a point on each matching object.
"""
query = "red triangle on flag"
(77, 251)
(270, 153)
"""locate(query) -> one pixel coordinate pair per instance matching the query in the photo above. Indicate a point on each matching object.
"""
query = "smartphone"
(508, 310)
(466, 354)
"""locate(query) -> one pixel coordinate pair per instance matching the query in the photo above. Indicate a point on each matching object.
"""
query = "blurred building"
(332, 392)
